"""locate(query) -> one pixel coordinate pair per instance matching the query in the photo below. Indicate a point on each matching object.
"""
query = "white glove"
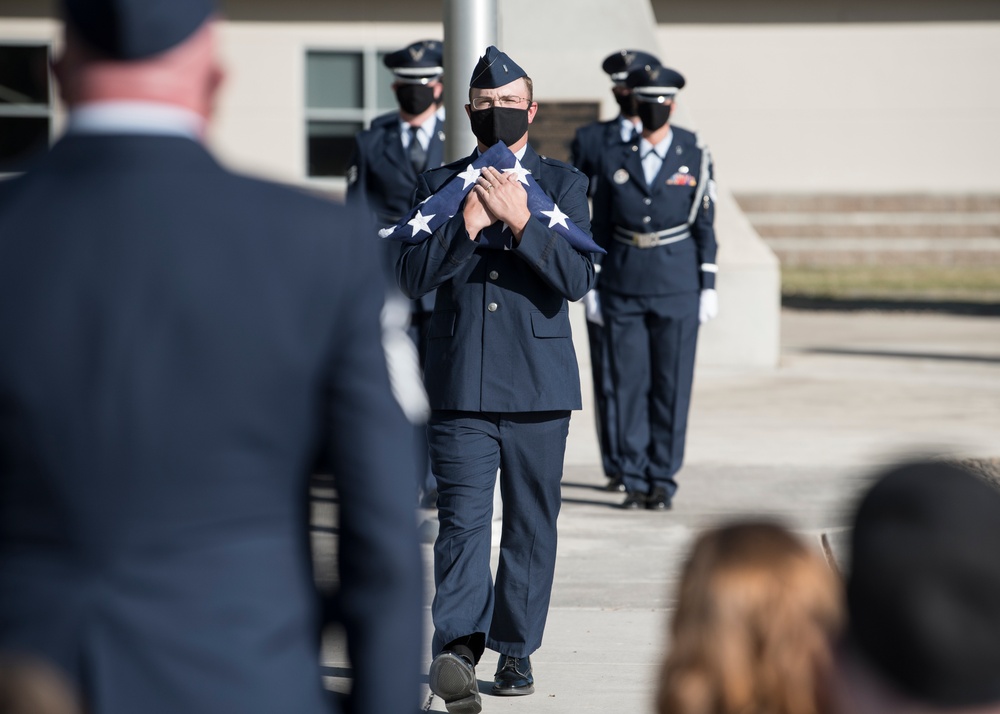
(592, 306)
(708, 305)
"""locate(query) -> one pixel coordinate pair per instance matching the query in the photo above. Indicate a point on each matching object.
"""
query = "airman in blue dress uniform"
(383, 171)
(588, 146)
(654, 208)
(502, 377)
(591, 140)
(181, 344)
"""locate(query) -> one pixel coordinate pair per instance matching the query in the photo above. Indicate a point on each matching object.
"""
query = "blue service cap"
(619, 64)
(419, 63)
(654, 83)
(495, 69)
(135, 29)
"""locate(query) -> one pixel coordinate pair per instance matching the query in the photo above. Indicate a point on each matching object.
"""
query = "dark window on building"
(345, 90)
(25, 104)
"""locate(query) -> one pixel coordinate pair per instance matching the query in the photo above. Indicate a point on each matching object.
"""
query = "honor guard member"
(653, 212)
(588, 145)
(390, 155)
(502, 378)
(180, 345)
(590, 140)
(383, 172)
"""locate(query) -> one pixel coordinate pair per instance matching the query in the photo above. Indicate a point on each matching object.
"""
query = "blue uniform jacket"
(382, 180)
(180, 344)
(589, 144)
(500, 337)
(380, 176)
(623, 199)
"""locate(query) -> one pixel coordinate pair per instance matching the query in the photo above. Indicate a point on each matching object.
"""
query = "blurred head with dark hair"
(923, 595)
(757, 612)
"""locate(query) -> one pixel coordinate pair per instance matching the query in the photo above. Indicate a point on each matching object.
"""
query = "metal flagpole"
(470, 26)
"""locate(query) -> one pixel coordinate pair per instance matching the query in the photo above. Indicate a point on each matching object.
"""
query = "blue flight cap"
(135, 29)
(495, 69)
(419, 63)
(654, 83)
(619, 64)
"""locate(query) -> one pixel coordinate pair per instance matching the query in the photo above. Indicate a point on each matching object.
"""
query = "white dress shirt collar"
(128, 117)
(424, 131)
(627, 129)
(653, 156)
(661, 148)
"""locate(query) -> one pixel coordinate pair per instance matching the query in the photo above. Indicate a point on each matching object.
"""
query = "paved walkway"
(853, 391)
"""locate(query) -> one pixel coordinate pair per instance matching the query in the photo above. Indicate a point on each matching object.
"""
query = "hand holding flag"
(433, 212)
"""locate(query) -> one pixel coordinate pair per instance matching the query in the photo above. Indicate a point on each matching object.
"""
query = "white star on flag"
(556, 217)
(522, 173)
(446, 203)
(468, 176)
(420, 223)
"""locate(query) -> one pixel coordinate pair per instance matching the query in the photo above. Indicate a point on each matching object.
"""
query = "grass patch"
(897, 282)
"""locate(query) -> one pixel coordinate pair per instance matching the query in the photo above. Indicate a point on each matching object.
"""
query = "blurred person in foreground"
(756, 618)
(923, 596)
(181, 344)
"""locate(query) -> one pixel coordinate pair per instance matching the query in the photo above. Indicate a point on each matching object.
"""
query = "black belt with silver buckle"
(652, 240)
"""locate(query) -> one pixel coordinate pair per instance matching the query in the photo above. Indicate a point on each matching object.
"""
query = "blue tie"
(416, 152)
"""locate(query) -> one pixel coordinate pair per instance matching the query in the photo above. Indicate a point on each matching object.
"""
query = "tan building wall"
(261, 124)
(845, 107)
(833, 96)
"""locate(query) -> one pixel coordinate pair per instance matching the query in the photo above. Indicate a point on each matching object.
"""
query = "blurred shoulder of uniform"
(374, 137)
(595, 129)
(551, 163)
(386, 119)
(686, 136)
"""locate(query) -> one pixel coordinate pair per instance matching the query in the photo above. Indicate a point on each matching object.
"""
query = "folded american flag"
(438, 208)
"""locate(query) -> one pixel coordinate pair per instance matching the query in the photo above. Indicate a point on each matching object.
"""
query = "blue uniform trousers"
(652, 347)
(467, 449)
(606, 414)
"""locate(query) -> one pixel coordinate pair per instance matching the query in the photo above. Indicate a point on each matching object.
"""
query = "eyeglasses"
(481, 103)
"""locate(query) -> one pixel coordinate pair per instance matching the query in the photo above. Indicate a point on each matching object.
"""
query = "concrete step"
(909, 229)
(868, 203)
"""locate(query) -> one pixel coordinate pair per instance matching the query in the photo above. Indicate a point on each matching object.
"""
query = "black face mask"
(653, 116)
(499, 124)
(627, 104)
(414, 98)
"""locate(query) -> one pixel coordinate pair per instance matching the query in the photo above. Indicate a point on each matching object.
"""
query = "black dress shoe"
(634, 501)
(616, 484)
(453, 678)
(658, 500)
(513, 677)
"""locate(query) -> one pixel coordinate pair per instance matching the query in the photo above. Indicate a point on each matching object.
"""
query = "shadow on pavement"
(951, 307)
(893, 354)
